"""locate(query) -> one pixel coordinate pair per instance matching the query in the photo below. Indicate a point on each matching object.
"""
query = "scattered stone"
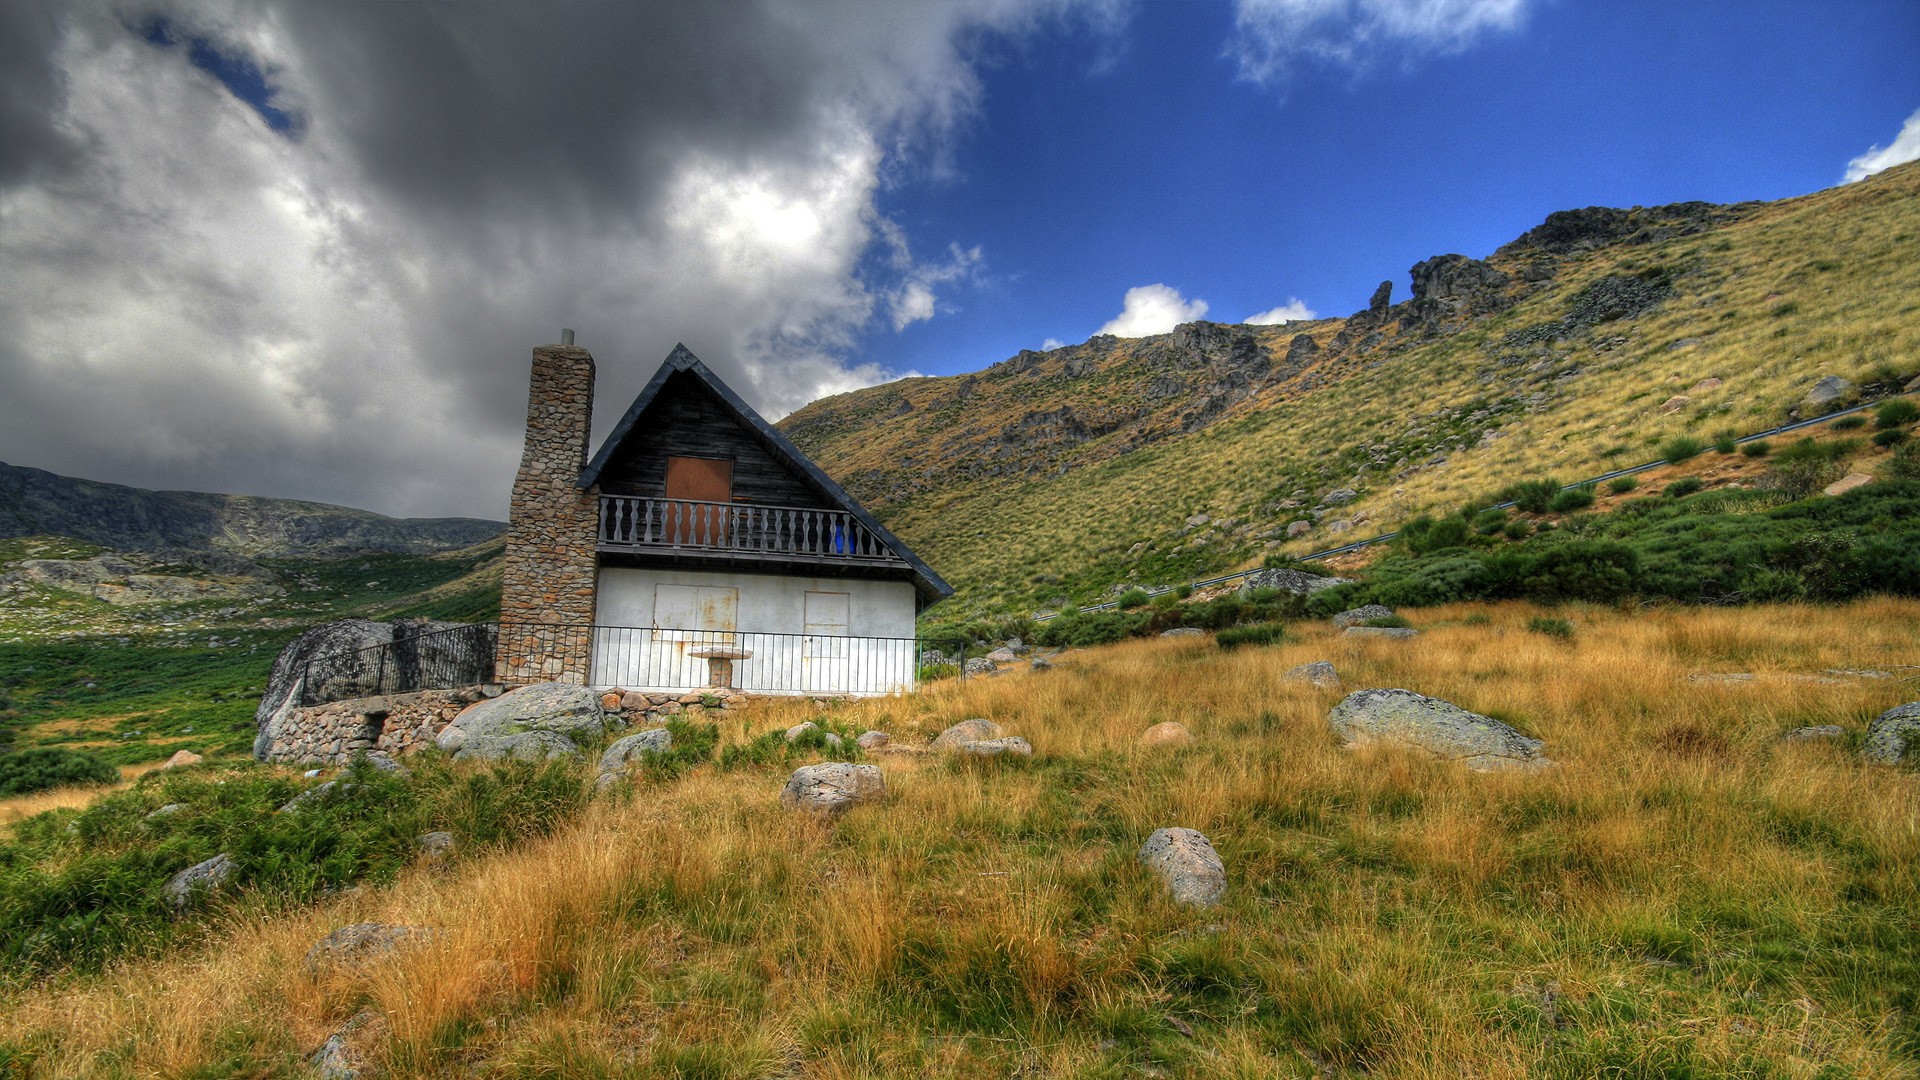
(536, 722)
(1019, 647)
(1287, 579)
(980, 665)
(1197, 520)
(1894, 735)
(872, 740)
(340, 1058)
(181, 759)
(1186, 861)
(1858, 673)
(1675, 403)
(631, 749)
(634, 701)
(383, 762)
(1397, 632)
(1847, 483)
(1355, 616)
(1340, 496)
(967, 731)
(990, 748)
(1297, 529)
(1320, 673)
(1719, 677)
(1438, 727)
(794, 733)
(1041, 663)
(168, 810)
(832, 787)
(435, 846)
(1003, 656)
(1168, 733)
(357, 942)
(1818, 731)
(1709, 383)
(1826, 393)
(201, 877)
(610, 701)
(1183, 631)
(317, 795)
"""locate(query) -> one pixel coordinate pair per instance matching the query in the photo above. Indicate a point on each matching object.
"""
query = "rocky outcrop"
(1894, 735)
(197, 880)
(1185, 860)
(631, 750)
(357, 943)
(1438, 727)
(1828, 393)
(1367, 613)
(346, 659)
(1570, 232)
(533, 723)
(1319, 673)
(833, 787)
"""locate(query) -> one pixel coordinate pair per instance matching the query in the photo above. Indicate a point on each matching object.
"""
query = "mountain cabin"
(698, 548)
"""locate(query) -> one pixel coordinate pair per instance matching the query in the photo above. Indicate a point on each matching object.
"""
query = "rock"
(360, 941)
(435, 846)
(610, 701)
(1827, 393)
(798, 730)
(181, 759)
(633, 701)
(1438, 727)
(201, 877)
(317, 795)
(1894, 735)
(1019, 647)
(832, 787)
(980, 665)
(383, 762)
(1197, 520)
(872, 740)
(1395, 632)
(340, 660)
(1168, 733)
(340, 1057)
(1183, 631)
(1675, 403)
(1041, 663)
(1720, 677)
(631, 749)
(530, 723)
(1818, 731)
(992, 748)
(1003, 656)
(1288, 579)
(1340, 496)
(1382, 296)
(1454, 277)
(1705, 385)
(168, 810)
(1297, 529)
(1846, 483)
(1913, 385)
(1354, 616)
(1186, 861)
(966, 731)
(1320, 673)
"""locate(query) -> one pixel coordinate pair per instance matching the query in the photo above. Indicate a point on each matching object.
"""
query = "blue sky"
(1080, 179)
(304, 250)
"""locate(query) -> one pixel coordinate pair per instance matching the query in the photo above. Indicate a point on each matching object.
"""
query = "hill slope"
(1576, 348)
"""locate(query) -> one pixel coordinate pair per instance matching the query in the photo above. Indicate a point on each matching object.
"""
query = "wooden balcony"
(791, 534)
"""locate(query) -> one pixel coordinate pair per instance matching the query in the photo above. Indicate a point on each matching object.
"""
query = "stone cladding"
(550, 570)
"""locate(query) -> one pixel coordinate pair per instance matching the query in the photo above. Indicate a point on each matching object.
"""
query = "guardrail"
(1356, 545)
(434, 660)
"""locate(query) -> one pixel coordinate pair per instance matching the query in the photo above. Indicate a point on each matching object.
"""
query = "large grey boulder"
(1438, 727)
(1894, 735)
(1814, 733)
(358, 942)
(340, 660)
(1356, 616)
(1011, 746)
(632, 749)
(966, 731)
(201, 877)
(1186, 861)
(1389, 632)
(1826, 394)
(1287, 579)
(832, 787)
(531, 723)
(1320, 673)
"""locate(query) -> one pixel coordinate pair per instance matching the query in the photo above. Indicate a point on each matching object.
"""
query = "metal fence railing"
(431, 660)
(652, 658)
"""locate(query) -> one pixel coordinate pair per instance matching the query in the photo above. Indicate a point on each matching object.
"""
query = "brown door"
(706, 485)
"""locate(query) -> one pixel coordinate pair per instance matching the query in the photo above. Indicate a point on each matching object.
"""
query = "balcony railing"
(635, 523)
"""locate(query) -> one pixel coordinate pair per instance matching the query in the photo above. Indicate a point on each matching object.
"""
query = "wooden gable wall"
(685, 420)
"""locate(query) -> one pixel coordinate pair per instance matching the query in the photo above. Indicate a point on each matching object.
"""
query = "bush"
(1573, 498)
(1806, 466)
(1890, 437)
(1489, 521)
(1905, 463)
(1518, 530)
(1531, 495)
(1091, 628)
(1183, 592)
(1271, 633)
(1848, 423)
(1133, 598)
(1758, 448)
(29, 771)
(1620, 485)
(1553, 628)
(1680, 448)
(1423, 534)
(1898, 412)
(1725, 444)
(1684, 487)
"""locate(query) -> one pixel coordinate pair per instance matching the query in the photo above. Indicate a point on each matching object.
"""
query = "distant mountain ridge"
(34, 502)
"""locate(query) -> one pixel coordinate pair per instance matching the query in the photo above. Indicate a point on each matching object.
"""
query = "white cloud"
(1904, 148)
(1294, 310)
(1273, 37)
(1153, 309)
(913, 301)
(1051, 344)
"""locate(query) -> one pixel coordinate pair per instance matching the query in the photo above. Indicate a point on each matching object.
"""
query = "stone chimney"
(547, 585)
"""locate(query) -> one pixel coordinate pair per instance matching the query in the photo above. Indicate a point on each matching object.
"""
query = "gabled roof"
(929, 584)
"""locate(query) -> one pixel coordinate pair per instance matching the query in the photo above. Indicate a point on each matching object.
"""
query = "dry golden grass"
(20, 807)
(1684, 894)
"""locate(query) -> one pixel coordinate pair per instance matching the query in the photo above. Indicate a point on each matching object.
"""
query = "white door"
(824, 649)
(696, 625)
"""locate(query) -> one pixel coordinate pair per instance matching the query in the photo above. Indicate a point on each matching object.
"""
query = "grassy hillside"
(1053, 476)
(1685, 895)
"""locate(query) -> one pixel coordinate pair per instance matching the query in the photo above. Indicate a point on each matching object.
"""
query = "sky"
(305, 250)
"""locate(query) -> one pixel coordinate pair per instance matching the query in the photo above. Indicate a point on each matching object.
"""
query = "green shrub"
(1806, 466)
(1680, 448)
(1848, 422)
(1183, 592)
(28, 771)
(1518, 530)
(1489, 521)
(1133, 598)
(1758, 448)
(1725, 444)
(1890, 437)
(1271, 633)
(1553, 628)
(1905, 463)
(1897, 412)
(1571, 499)
(1091, 628)
(1423, 534)
(1620, 485)
(1531, 495)
(1684, 487)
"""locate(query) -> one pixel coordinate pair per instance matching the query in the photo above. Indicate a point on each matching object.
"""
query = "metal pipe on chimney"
(566, 337)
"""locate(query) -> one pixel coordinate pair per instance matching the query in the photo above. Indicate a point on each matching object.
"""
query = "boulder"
(1288, 579)
(317, 795)
(795, 732)
(1340, 496)
(435, 846)
(1320, 673)
(980, 665)
(342, 1056)
(1183, 631)
(1396, 632)
(832, 787)
(340, 660)
(1827, 394)
(357, 942)
(1818, 731)
(872, 740)
(1438, 727)
(1041, 663)
(966, 731)
(1894, 735)
(1186, 861)
(1003, 656)
(201, 877)
(1297, 529)
(1168, 733)
(992, 748)
(630, 749)
(382, 761)
(1847, 483)
(1706, 384)
(1355, 616)
(168, 810)
(530, 723)
(1675, 403)
(181, 759)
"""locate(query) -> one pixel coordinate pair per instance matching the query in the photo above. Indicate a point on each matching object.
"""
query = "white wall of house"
(673, 630)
